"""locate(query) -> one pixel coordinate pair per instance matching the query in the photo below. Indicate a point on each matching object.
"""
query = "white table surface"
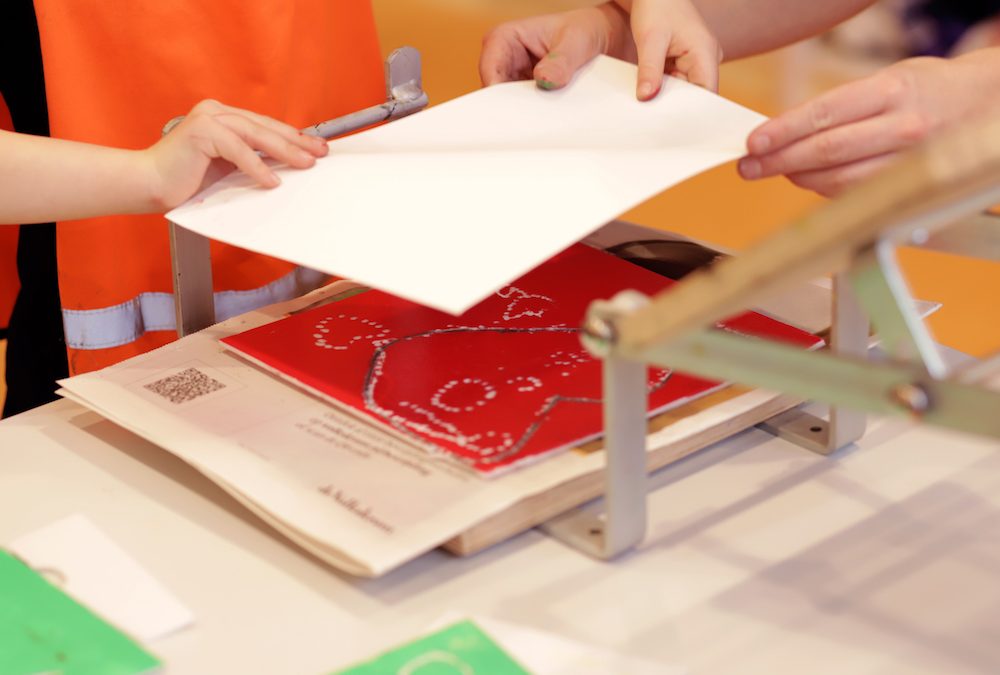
(761, 558)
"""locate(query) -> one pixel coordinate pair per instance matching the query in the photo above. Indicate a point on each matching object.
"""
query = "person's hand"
(214, 137)
(851, 132)
(671, 36)
(551, 48)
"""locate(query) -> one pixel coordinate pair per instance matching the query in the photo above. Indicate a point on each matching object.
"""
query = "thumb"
(570, 51)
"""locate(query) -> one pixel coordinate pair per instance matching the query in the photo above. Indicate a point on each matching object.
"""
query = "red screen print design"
(506, 382)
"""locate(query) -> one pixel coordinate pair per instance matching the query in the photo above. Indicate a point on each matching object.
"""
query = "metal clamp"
(912, 381)
(404, 96)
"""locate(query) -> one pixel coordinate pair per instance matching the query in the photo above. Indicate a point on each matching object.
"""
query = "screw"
(600, 330)
(920, 236)
(911, 396)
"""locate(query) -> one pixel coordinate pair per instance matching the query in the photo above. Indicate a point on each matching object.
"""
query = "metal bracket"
(623, 524)
(191, 260)
(849, 327)
(404, 96)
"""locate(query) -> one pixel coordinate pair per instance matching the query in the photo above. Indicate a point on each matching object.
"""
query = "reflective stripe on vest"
(121, 324)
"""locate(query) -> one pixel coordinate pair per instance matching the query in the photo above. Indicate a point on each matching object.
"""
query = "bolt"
(600, 329)
(920, 236)
(599, 335)
(911, 396)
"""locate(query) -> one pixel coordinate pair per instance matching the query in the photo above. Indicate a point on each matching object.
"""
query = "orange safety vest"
(116, 71)
(9, 283)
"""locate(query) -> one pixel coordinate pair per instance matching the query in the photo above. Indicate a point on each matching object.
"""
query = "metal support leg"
(848, 337)
(623, 524)
(194, 299)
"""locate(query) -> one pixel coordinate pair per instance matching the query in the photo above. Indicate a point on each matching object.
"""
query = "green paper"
(460, 649)
(42, 630)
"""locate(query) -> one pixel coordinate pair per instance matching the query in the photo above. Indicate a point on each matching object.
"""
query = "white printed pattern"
(424, 419)
(376, 336)
(520, 297)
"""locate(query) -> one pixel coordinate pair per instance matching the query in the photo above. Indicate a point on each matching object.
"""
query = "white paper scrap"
(90, 567)
(446, 206)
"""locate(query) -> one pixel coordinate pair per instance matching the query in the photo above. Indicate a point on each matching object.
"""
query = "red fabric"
(116, 71)
(504, 383)
(5, 122)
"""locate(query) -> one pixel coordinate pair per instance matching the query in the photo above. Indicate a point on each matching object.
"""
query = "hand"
(852, 132)
(551, 48)
(671, 36)
(211, 139)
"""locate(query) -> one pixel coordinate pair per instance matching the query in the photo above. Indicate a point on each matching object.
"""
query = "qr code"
(185, 386)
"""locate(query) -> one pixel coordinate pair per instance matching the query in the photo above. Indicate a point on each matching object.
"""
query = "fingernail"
(646, 91)
(759, 144)
(545, 84)
(749, 168)
(274, 180)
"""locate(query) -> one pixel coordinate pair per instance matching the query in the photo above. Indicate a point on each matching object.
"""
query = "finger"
(848, 103)
(503, 58)
(652, 48)
(263, 138)
(216, 171)
(311, 144)
(832, 182)
(838, 146)
(570, 51)
(226, 144)
(701, 66)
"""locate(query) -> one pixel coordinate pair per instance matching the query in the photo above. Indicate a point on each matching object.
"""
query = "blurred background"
(717, 206)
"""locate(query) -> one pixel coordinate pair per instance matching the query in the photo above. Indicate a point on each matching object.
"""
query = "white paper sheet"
(447, 205)
(102, 576)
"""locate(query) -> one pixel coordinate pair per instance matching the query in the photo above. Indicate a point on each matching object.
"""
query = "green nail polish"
(547, 85)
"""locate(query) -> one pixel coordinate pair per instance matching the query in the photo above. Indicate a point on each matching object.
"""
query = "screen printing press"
(876, 552)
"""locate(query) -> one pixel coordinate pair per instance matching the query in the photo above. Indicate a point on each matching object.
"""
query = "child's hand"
(551, 48)
(670, 36)
(195, 153)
